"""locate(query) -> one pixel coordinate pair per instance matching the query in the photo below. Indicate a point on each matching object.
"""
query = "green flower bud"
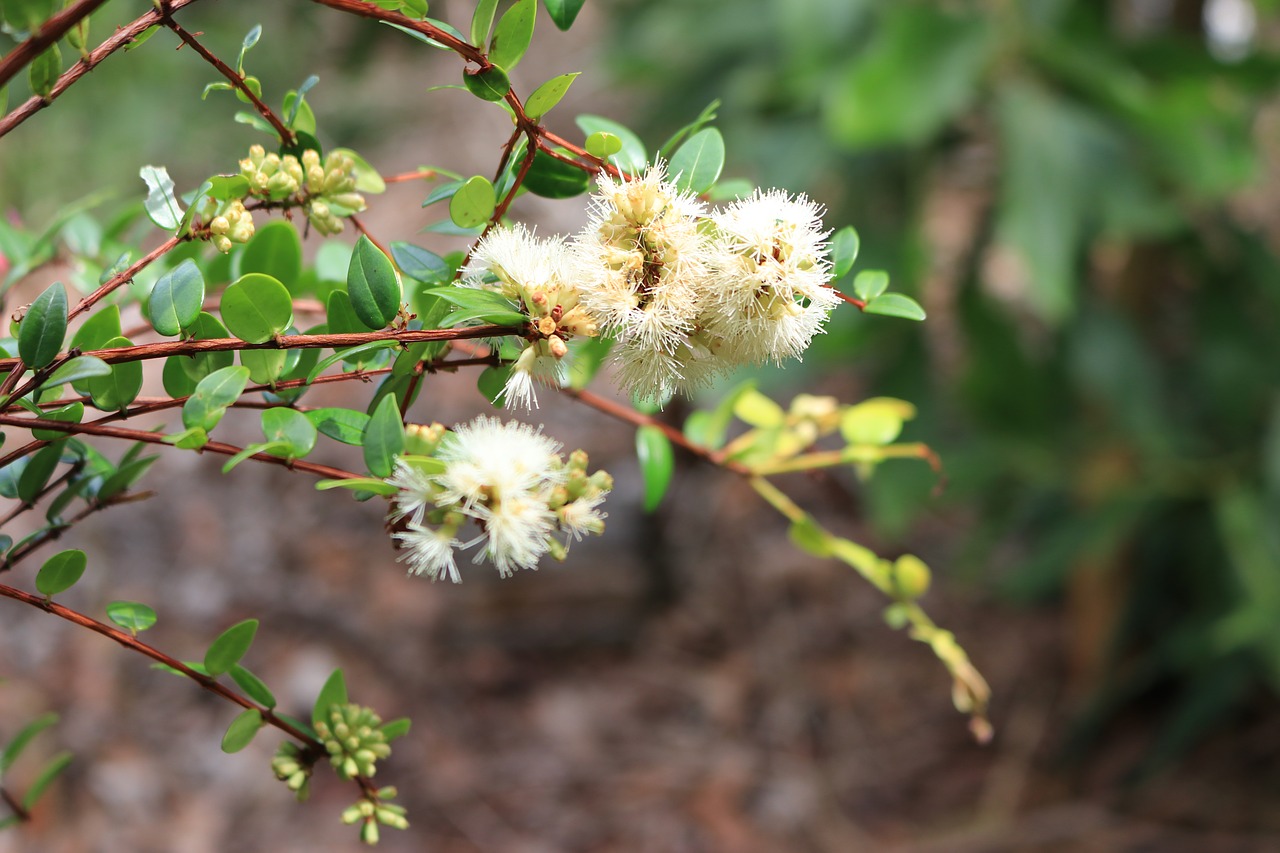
(219, 225)
(222, 244)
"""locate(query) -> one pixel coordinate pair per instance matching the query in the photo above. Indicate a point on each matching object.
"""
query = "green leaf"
(72, 413)
(548, 95)
(161, 204)
(844, 251)
(632, 158)
(117, 389)
(44, 71)
(44, 327)
(227, 187)
(125, 476)
(350, 354)
(482, 21)
(197, 367)
(334, 692)
(603, 144)
(103, 325)
(473, 203)
(344, 425)
(704, 118)
(176, 299)
(36, 474)
(393, 729)
(895, 305)
(13, 749)
(922, 68)
(869, 284)
(875, 421)
(131, 615)
(657, 461)
(298, 114)
(383, 437)
(275, 250)
(758, 410)
(588, 357)
(420, 264)
(492, 382)
(256, 308)
(265, 365)
(487, 315)
(697, 163)
(76, 369)
(231, 645)
(512, 35)
(550, 177)
(255, 688)
(372, 285)
(367, 178)
(441, 192)
(242, 731)
(563, 12)
(45, 778)
(359, 484)
(290, 428)
(491, 84)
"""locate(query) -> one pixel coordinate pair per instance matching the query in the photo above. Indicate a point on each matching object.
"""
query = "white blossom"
(429, 551)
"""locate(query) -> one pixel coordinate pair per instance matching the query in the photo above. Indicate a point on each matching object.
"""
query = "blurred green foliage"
(1081, 196)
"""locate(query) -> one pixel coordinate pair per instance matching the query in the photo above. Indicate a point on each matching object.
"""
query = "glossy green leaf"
(45, 778)
(359, 484)
(334, 692)
(14, 748)
(131, 615)
(489, 316)
(290, 428)
(125, 476)
(473, 203)
(420, 264)
(60, 572)
(176, 299)
(161, 204)
(563, 12)
(75, 370)
(44, 327)
(441, 192)
(255, 688)
(393, 729)
(657, 461)
(275, 250)
(265, 366)
(102, 325)
(869, 284)
(632, 157)
(256, 308)
(550, 177)
(482, 21)
(117, 389)
(242, 730)
(44, 71)
(492, 383)
(72, 413)
(36, 474)
(197, 367)
(704, 118)
(491, 84)
(603, 144)
(372, 285)
(895, 305)
(214, 393)
(844, 251)
(229, 647)
(354, 355)
(512, 35)
(344, 425)
(697, 164)
(383, 437)
(548, 95)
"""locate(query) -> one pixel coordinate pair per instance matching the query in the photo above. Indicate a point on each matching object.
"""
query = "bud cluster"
(352, 736)
(233, 225)
(326, 189)
(293, 769)
(375, 809)
(510, 481)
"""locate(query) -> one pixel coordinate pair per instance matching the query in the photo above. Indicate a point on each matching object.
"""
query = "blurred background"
(1085, 197)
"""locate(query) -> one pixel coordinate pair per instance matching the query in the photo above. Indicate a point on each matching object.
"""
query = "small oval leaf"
(657, 461)
(231, 645)
(242, 731)
(696, 165)
(548, 95)
(176, 299)
(44, 327)
(473, 203)
(133, 616)
(256, 308)
(372, 285)
(60, 572)
(383, 437)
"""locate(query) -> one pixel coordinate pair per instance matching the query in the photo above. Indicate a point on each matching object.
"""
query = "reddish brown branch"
(122, 37)
(14, 806)
(134, 644)
(367, 10)
(121, 279)
(235, 78)
(45, 35)
(417, 175)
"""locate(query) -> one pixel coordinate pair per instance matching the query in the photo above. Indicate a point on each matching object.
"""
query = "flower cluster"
(325, 190)
(510, 480)
(234, 224)
(352, 736)
(687, 294)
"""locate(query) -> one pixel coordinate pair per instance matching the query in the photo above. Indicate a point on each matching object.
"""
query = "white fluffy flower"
(417, 494)
(641, 265)
(429, 551)
(487, 460)
(770, 267)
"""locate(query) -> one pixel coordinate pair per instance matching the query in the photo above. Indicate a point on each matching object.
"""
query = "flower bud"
(219, 225)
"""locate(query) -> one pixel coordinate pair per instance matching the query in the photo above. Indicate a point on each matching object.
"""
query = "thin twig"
(54, 28)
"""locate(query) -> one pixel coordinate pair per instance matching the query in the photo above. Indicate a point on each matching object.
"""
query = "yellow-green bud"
(219, 225)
